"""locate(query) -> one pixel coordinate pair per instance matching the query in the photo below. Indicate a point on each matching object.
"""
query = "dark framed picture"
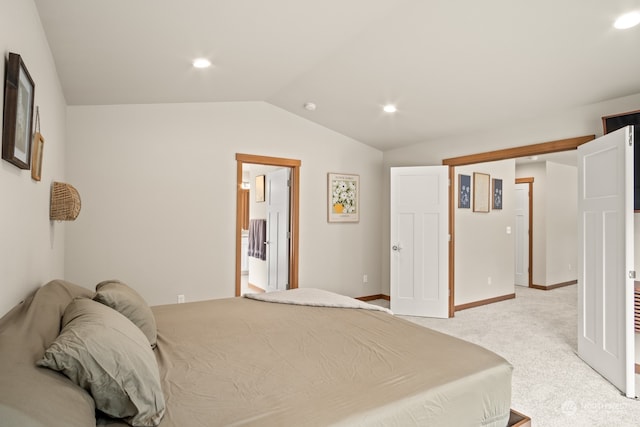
(18, 113)
(464, 191)
(497, 193)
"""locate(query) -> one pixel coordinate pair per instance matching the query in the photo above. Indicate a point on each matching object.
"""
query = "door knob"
(396, 248)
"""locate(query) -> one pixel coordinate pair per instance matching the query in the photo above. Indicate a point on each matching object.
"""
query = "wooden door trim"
(524, 151)
(452, 245)
(294, 164)
(529, 180)
(491, 156)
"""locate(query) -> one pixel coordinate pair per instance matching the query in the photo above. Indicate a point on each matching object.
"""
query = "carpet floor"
(537, 333)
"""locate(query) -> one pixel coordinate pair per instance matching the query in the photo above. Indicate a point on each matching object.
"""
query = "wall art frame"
(260, 188)
(343, 197)
(19, 90)
(496, 187)
(481, 192)
(464, 191)
(36, 159)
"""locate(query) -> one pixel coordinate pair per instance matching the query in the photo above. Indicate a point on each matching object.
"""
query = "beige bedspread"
(238, 362)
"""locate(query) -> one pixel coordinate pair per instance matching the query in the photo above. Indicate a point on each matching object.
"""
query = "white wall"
(31, 246)
(158, 187)
(556, 125)
(484, 250)
(538, 171)
(555, 213)
(562, 223)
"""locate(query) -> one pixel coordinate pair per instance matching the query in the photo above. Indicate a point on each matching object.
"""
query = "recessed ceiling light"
(627, 20)
(389, 108)
(201, 63)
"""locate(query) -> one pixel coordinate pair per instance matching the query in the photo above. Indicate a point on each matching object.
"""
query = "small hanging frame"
(36, 149)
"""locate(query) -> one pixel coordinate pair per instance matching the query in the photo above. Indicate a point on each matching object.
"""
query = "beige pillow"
(33, 396)
(124, 299)
(103, 352)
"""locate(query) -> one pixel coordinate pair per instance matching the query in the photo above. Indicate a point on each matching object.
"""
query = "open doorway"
(524, 232)
(294, 190)
(512, 153)
(265, 228)
(554, 232)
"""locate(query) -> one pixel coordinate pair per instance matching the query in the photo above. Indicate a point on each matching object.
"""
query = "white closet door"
(419, 241)
(277, 198)
(522, 235)
(606, 247)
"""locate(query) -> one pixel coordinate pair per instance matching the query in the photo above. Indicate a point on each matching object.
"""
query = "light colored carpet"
(537, 333)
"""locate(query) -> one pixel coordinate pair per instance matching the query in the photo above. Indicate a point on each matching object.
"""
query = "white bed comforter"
(315, 298)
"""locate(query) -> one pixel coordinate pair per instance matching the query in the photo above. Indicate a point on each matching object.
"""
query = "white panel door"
(605, 283)
(277, 198)
(419, 241)
(522, 235)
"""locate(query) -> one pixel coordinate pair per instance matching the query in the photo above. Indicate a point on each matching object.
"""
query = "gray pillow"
(102, 351)
(128, 302)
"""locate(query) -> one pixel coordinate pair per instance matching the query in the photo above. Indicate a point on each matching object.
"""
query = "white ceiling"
(450, 66)
(569, 158)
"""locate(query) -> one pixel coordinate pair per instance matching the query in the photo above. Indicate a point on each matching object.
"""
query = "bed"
(241, 361)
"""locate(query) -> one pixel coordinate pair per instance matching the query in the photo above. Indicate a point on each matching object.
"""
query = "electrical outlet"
(365, 279)
(570, 267)
(489, 280)
(180, 299)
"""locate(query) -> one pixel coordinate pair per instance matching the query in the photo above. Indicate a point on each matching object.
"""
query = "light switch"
(508, 230)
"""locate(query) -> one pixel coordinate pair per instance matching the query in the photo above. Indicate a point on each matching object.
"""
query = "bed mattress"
(237, 361)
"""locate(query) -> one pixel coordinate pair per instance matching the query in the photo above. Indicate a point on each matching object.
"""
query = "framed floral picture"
(464, 191)
(497, 193)
(343, 195)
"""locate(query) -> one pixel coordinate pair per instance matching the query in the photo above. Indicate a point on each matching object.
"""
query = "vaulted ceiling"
(450, 66)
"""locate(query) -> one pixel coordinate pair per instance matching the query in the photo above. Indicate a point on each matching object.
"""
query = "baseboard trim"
(484, 302)
(255, 288)
(374, 297)
(557, 285)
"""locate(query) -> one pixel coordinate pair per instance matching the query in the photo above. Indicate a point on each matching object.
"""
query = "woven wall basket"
(65, 202)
